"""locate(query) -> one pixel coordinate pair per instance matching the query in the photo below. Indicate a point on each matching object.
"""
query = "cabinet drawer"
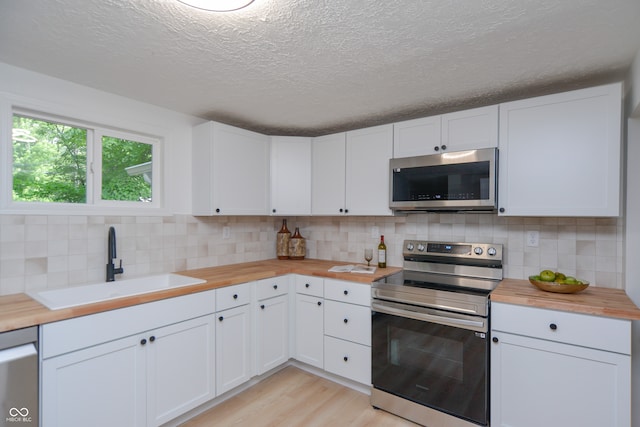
(273, 287)
(351, 292)
(572, 328)
(310, 285)
(233, 296)
(347, 321)
(347, 359)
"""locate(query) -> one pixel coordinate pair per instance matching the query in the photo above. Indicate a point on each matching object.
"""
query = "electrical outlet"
(375, 232)
(532, 238)
(226, 232)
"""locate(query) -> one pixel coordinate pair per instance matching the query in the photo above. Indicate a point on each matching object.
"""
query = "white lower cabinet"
(309, 327)
(272, 323)
(233, 348)
(347, 359)
(536, 380)
(146, 378)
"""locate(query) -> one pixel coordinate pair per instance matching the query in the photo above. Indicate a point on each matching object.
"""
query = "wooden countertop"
(21, 311)
(593, 300)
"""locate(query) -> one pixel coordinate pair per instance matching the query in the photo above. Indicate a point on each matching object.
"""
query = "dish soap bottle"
(382, 253)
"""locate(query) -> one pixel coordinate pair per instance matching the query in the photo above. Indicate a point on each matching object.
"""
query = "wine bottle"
(382, 253)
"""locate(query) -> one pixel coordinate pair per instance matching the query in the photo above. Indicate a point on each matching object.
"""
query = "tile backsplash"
(39, 251)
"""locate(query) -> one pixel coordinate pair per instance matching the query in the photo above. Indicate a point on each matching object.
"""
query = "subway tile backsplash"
(40, 252)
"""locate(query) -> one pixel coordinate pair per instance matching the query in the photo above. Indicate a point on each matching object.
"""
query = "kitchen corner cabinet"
(555, 369)
(290, 175)
(309, 320)
(230, 171)
(233, 337)
(560, 155)
(328, 174)
(462, 130)
(105, 370)
(272, 323)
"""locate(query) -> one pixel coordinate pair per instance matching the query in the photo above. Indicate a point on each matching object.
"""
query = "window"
(67, 163)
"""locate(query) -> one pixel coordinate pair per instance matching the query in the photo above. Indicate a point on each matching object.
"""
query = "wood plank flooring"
(293, 397)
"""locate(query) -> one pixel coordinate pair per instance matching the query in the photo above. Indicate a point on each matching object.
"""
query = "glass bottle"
(382, 253)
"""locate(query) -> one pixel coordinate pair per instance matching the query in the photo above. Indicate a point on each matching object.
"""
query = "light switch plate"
(226, 232)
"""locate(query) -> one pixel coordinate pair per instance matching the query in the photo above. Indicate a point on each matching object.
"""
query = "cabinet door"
(272, 322)
(367, 185)
(541, 383)
(417, 137)
(290, 175)
(328, 174)
(181, 368)
(348, 359)
(560, 154)
(233, 348)
(348, 321)
(470, 129)
(309, 329)
(100, 386)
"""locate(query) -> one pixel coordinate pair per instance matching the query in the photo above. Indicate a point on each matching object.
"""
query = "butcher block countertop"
(594, 300)
(21, 311)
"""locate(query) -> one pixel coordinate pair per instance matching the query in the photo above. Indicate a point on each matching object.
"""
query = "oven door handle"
(420, 314)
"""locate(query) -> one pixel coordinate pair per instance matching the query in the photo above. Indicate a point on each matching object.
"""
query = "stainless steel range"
(430, 346)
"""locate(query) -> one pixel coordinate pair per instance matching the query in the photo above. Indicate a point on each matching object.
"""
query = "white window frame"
(94, 203)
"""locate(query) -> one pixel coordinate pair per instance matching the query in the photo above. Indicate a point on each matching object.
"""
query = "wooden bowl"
(560, 288)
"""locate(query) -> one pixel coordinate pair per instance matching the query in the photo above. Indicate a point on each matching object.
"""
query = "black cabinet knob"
(553, 326)
(143, 341)
(275, 286)
(346, 292)
(221, 318)
(235, 296)
(262, 306)
(436, 148)
(346, 320)
(319, 303)
(501, 210)
(152, 338)
(346, 358)
(444, 147)
(217, 210)
(346, 211)
(306, 285)
(494, 339)
(341, 210)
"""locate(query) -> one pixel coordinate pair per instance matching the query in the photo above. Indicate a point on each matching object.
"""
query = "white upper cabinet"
(367, 175)
(462, 130)
(230, 171)
(560, 154)
(328, 174)
(290, 175)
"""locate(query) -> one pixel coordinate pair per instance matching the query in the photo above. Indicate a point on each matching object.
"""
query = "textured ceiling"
(312, 67)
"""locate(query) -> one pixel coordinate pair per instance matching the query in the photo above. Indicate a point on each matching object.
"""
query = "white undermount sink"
(56, 299)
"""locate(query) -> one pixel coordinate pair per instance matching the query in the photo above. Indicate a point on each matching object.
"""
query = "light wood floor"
(293, 397)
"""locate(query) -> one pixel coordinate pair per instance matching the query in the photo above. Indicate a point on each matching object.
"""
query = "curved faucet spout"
(111, 255)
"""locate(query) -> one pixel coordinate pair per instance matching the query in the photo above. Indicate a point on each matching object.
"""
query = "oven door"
(442, 365)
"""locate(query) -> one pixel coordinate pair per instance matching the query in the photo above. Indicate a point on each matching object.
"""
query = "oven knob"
(491, 251)
(477, 250)
(421, 247)
(409, 246)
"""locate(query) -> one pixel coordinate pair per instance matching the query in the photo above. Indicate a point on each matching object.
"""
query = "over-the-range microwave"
(451, 181)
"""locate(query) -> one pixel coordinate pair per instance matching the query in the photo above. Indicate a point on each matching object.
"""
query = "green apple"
(547, 276)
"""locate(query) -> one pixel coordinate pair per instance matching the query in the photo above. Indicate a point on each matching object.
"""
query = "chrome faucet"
(111, 255)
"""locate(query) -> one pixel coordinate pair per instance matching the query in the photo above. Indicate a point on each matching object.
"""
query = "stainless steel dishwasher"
(19, 377)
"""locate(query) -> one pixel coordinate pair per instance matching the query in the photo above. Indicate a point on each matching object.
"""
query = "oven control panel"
(488, 251)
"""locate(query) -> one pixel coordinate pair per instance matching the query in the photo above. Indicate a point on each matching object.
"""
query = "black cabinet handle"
(346, 320)
(346, 292)
(501, 210)
(444, 147)
(436, 148)
(152, 338)
(217, 210)
(346, 211)
(306, 285)
(273, 210)
(275, 286)
(235, 296)
(346, 358)
(262, 306)
(221, 318)
(340, 210)
(143, 341)
(319, 302)
(553, 326)
(494, 339)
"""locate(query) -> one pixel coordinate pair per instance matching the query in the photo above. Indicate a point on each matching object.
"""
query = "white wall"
(634, 77)
(99, 107)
